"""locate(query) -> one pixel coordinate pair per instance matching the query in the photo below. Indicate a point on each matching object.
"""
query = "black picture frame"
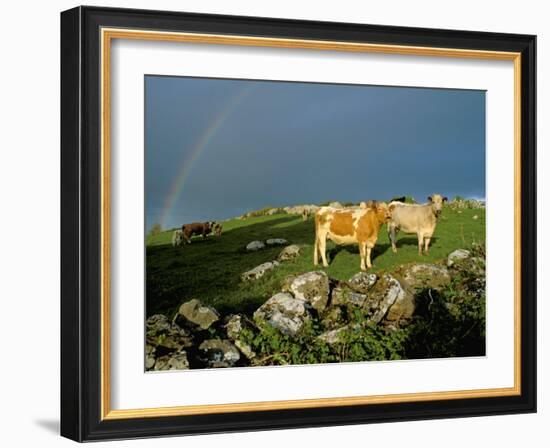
(81, 224)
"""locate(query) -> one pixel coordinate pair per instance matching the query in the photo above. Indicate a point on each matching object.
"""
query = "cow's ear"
(391, 207)
(445, 199)
(429, 199)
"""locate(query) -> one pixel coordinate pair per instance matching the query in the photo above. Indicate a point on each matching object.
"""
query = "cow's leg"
(187, 238)
(323, 249)
(362, 253)
(420, 243)
(427, 243)
(369, 249)
(316, 251)
(392, 232)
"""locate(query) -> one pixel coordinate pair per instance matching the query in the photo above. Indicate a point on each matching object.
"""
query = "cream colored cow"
(420, 219)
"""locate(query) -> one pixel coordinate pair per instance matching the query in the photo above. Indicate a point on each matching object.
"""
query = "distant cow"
(367, 204)
(217, 229)
(399, 199)
(348, 226)
(197, 228)
(416, 218)
(177, 238)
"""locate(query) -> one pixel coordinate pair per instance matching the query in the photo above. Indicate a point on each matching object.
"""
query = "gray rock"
(199, 314)
(457, 255)
(259, 271)
(245, 349)
(398, 302)
(157, 323)
(337, 335)
(289, 253)
(234, 326)
(363, 281)
(173, 361)
(219, 353)
(149, 356)
(333, 336)
(424, 275)
(345, 296)
(255, 245)
(159, 331)
(276, 242)
(284, 312)
(313, 287)
(390, 300)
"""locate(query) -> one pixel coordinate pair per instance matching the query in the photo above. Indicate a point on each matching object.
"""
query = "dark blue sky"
(217, 148)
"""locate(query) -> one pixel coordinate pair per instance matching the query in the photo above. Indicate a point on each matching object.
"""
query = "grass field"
(210, 270)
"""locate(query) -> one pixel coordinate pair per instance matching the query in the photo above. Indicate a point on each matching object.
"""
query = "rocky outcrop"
(257, 245)
(334, 336)
(389, 300)
(424, 275)
(218, 353)
(284, 312)
(362, 281)
(259, 271)
(289, 253)
(160, 332)
(234, 327)
(195, 312)
(345, 296)
(456, 256)
(150, 359)
(173, 361)
(276, 242)
(254, 246)
(312, 287)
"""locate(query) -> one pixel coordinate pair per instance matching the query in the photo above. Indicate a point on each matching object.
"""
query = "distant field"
(210, 270)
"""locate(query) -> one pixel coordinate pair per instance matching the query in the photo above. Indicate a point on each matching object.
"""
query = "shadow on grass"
(378, 250)
(412, 241)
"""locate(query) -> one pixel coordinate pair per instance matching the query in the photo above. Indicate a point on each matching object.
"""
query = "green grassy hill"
(210, 270)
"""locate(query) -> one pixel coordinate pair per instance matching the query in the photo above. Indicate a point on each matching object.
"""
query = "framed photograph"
(276, 224)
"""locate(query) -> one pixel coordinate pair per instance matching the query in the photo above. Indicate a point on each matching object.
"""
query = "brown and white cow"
(217, 229)
(416, 218)
(197, 228)
(349, 226)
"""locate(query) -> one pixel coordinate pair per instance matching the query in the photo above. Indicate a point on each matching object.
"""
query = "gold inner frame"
(107, 35)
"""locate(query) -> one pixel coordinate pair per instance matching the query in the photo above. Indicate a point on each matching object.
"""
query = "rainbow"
(201, 144)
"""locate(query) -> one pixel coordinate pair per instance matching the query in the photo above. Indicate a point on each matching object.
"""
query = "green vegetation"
(210, 270)
(358, 343)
